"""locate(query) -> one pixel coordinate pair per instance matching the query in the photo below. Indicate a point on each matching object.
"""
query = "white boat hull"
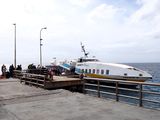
(108, 71)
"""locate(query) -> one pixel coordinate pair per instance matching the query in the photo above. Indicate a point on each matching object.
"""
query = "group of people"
(32, 66)
(9, 73)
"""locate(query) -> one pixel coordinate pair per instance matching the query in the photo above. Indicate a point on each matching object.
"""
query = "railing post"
(14, 73)
(84, 81)
(117, 98)
(25, 77)
(98, 89)
(30, 80)
(44, 81)
(36, 82)
(140, 95)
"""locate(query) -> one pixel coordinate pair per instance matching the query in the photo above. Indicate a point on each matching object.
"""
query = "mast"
(84, 51)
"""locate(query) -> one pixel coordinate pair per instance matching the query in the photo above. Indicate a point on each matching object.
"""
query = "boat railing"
(121, 90)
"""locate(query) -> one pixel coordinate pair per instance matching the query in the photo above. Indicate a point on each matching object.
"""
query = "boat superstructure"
(92, 67)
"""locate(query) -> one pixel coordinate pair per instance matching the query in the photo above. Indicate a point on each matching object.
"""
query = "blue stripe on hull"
(66, 66)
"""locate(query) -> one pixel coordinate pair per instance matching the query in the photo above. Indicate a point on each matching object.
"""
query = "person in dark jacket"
(19, 67)
(11, 69)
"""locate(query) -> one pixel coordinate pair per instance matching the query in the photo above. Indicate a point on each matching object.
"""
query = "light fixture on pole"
(55, 61)
(41, 46)
(14, 45)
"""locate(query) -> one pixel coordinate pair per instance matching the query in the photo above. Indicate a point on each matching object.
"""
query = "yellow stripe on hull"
(113, 77)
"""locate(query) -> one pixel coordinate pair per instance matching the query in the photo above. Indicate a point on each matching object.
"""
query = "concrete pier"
(21, 102)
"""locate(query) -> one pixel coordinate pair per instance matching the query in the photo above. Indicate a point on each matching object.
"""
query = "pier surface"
(21, 102)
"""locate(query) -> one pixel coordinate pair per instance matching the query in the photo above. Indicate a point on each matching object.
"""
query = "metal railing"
(99, 87)
(33, 79)
(30, 78)
(17, 74)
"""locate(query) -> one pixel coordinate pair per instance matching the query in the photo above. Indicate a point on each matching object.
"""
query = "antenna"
(84, 51)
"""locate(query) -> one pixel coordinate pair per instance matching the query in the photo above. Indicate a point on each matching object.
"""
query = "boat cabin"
(87, 60)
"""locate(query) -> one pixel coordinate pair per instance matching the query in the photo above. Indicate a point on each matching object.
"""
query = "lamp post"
(14, 45)
(41, 46)
(55, 61)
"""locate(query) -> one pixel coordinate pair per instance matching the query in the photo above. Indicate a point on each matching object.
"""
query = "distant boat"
(92, 67)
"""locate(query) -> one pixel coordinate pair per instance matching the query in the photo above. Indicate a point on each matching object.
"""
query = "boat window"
(125, 74)
(89, 70)
(133, 69)
(102, 72)
(107, 72)
(141, 75)
(82, 71)
(90, 60)
(80, 60)
(97, 71)
(87, 60)
(94, 71)
(86, 70)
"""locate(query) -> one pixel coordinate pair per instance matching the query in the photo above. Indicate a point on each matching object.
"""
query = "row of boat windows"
(102, 72)
(95, 71)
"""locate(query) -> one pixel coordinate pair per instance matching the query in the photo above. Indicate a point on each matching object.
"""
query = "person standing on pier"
(11, 69)
(3, 69)
(19, 67)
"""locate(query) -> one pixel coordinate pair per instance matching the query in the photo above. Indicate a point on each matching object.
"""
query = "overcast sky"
(112, 30)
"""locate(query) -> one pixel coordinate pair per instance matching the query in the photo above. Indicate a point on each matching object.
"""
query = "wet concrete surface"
(22, 102)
